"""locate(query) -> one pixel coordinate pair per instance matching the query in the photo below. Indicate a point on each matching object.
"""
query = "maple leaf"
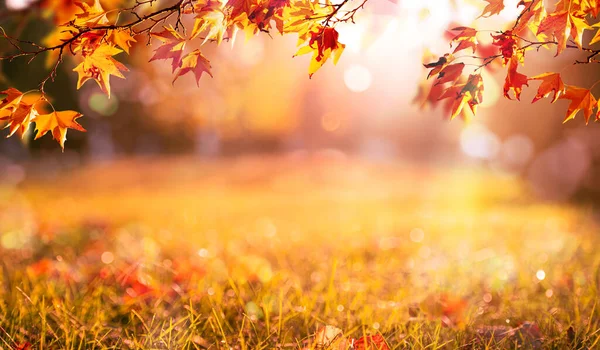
(11, 100)
(493, 7)
(562, 24)
(57, 123)
(121, 38)
(466, 39)
(469, 93)
(196, 63)
(172, 47)
(211, 18)
(530, 17)
(212, 21)
(551, 82)
(91, 15)
(514, 80)
(20, 118)
(438, 65)
(450, 73)
(373, 342)
(506, 43)
(596, 37)
(323, 43)
(580, 99)
(99, 66)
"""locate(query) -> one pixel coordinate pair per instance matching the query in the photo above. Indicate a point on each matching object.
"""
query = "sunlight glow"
(358, 78)
(478, 142)
(16, 5)
(540, 274)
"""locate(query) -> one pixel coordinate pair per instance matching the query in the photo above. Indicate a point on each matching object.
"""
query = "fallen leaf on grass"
(330, 337)
(370, 342)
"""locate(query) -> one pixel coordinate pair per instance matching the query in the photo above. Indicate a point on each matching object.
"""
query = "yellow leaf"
(99, 66)
(196, 63)
(20, 118)
(57, 123)
(121, 38)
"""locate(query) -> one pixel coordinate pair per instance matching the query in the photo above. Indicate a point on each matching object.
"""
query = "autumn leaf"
(20, 118)
(196, 63)
(531, 16)
(562, 25)
(514, 80)
(450, 73)
(581, 99)
(507, 45)
(438, 65)
(99, 66)
(371, 342)
(330, 337)
(469, 93)
(465, 39)
(172, 47)
(121, 38)
(551, 82)
(211, 19)
(493, 7)
(11, 100)
(57, 123)
(323, 43)
(91, 16)
(596, 37)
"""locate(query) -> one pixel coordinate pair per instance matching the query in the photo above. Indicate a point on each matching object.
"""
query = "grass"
(262, 253)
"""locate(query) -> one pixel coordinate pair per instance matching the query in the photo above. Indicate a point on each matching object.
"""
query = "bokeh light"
(358, 78)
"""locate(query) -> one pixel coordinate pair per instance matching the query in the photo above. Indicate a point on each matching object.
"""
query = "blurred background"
(261, 101)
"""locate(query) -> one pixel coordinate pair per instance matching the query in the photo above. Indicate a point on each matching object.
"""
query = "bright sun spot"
(478, 142)
(540, 274)
(357, 78)
(16, 5)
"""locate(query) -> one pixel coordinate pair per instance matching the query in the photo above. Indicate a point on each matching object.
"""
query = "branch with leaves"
(93, 36)
(560, 27)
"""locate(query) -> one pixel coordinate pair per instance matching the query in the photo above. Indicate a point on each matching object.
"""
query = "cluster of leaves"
(560, 28)
(93, 36)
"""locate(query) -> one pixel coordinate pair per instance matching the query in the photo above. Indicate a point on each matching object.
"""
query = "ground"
(263, 252)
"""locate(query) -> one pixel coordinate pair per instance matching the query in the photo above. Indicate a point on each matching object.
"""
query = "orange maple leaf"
(57, 123)
(121, 38)
(514, 80)
(466, 39)
(506, 43)
(562, 24)
(469, 93)
(20, 118)
(99, 66)
(580, 99)
(551, 82)
(11, 100)
(373, 342)
(450, 73)
(172, 47)
(196, 63)
(493, 7)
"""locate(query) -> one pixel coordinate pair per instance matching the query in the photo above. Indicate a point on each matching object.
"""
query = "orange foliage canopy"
(93, 33)
(537, 26)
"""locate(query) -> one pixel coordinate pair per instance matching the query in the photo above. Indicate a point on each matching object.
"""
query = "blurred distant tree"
(93, 32)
